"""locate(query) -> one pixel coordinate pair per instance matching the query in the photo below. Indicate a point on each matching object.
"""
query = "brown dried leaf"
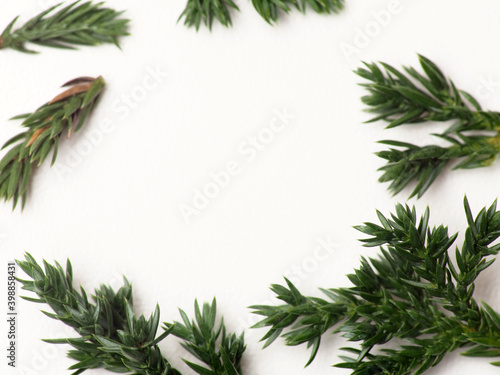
(79, 80)
(35, 135)
(70, 92)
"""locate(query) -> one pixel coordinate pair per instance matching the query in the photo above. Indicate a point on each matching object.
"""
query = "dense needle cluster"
(270, 9)
(410, 97)
(79, 23)
(205, 11)
(220, 352)
(413, 292)
(112, 337)
(67, 112)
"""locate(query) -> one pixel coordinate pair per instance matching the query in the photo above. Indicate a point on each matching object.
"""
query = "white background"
(112, 206)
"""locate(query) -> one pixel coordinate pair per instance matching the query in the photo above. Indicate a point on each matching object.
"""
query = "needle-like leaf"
(80, 23)
(411, 294)
(410, 97)
(199, 12)
(113, 337)
(44, 127)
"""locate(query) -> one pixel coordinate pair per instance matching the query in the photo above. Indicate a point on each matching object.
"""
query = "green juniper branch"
(112, 337)
(401, 295)
(205, 11)
(270, 10)
(201, 339)
(68, 112)
(79, 23)
(410, 97)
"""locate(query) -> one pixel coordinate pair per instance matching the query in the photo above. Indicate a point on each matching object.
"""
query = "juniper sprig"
(205, 11)
(220, 352)
(412, 293)
(77, 24)
(44, 127)
(270, 10)
(112, 337)
(410, 97)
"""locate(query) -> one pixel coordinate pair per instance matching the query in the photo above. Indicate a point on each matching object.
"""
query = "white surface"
(115, 210)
